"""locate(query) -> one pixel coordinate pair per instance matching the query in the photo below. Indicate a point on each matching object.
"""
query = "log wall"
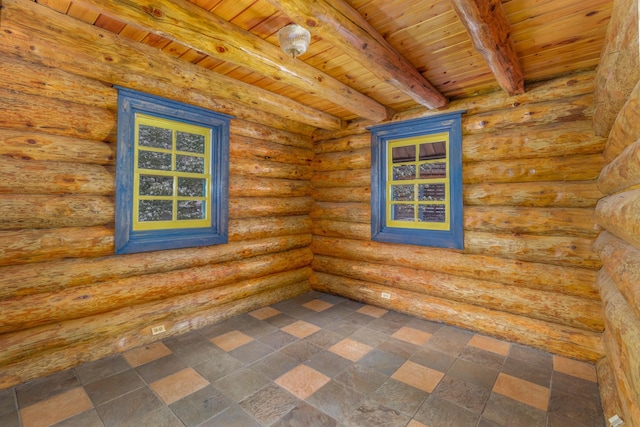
(528, 271)
(65, 298)
(618, 213)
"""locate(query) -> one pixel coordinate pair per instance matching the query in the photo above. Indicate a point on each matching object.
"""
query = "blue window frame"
(416, 182)
(172, 173)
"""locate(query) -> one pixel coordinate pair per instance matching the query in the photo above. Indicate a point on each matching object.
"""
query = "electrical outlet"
(155, 330)
(615, 421)
(386, 295)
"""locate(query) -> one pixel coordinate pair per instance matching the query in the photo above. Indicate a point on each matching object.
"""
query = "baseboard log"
(342, 194)
(534, 303)
(31, 145)
(28, 177)
(259, 228)
(620, 215)
(268, 133)
(28, 246)
(626, 128)
(622, 263)
(348, 212)
(252, 148)
(342, 160)
(551, 337)
(345, 143)
(267, 169)
(575, 168)
(23, 111)
(246, 186)
(22, 313)
(341, 229)
(624, 171)
(578, 194)
(27, 211)
(125, 332)
(50, 277)
(563, 279)
(250, 207)
(344, 178)
(609, 396)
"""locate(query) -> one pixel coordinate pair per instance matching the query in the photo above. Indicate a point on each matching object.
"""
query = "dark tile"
(556, 420)
(220, 328)
(269, 404)
(194, 351)
(352, 305)
(336, 400)
(424, 325)
(508, 412)
(127, 409)
(369, 337)
(371, 413)
(339, 311)
(305, 415)
(10, 419)
(281, 320)
(576, 386)
(320, 319)
(162, 417)
(185, 340)
(90, 372)
(218, 367)
(258, 328)
(160, 368)
(384, 362)
(43, 388)
(531, 355)
(324, 339)
(482, 357)
(277, 339)
(333, 299)
(232, 417)
(533, 372)
(449, 340)
(361, 378)
(462, 393)
(249, 353)
(241, 384)
(472, 372)
(399, 348)
(488, 423)
(109, 388)
(442, 413)
(385, 326)
(84, 419)
(397, 395)
(395, 317)
(8, 401)
(433, 359)
(328, 363)
(583, 412)
(297, 311)
(200, 406)
(301, 350)
(275, 365)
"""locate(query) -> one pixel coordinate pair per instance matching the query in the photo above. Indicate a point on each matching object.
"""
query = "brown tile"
(490, 344)
(372, 311)
(56, 408)
(583, 370)
(141, 355)
(418, 376)
(301, 329)
(264, 313)
(302, 381)
(176, 386)
(231, 340)
(317, 305)
(522, 391)
(411, 335)
(350, 349)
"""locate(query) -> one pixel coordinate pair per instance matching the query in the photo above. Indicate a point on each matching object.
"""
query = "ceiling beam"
(338, 23)
(192, 26)
(490, 32)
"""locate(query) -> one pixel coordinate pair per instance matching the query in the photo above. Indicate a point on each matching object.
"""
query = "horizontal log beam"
(342, 194)
(342, 229)
(268, 133)
(623, 172)
(252, 148)
(345, 160)
(247, 186)
(347, 178)
(348, 212)
(345, 143)
(268, 169)
(260, 228)
(249, 207)
(620, 215)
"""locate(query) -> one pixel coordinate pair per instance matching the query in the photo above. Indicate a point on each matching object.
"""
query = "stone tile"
(411, 335)
(162, 417)
(508, 412)
(394, 316)
(269, 404)
(350, 349)
(381, 361)
(301, 329)
(280, 320)
(372, 311)
(264, 313)
(160, 368)
(583, 412)
(275, 365)
(555, 420)
(418, 376)
(439, 412)
(251, 352)
(328, 363)
(241, 384)
(332, 299)
(56, 408)
(324, 338)
(369, 336)
(339, 311)
(482, 357)
(532, 356)
(522, 391)
(302, 381)
(232, 417)
(336, 400)
(296, 311)
(533, 372)
(46, 387)
(385, 325)
(231, 340)
(88, 418)
(109, 388)
(317, 305)
(433, 359)
(400, 348)
(103, 368)
(301, 350)
(490, 344)
(462, 393)
(472, 372)
(371, 413)
(176, 386)
(351, 305)
(200, 406)
(350, 324)
(277, 339)
(414, 423)
(449, 340)
(145, 354)
(320, 319)
(424, 325)
(258, 329)
(10, 419)
(583, 370)
(361, 378)
(305, 415)
(576, 386)
(218, 367)
(400, 396)
(8, 401)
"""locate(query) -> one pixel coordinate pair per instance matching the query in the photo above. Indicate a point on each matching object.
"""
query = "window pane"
(402, 213)
(191, 209)
(151, 185)
(433, 150)
(192, 187)
(190, 142)
(404, 172)
(433, 170)
(402, 193)
(155, 210)
(431, 192)
(404, 154)
(432, 213)
(150, 136)
(189, 164)
(154, 160)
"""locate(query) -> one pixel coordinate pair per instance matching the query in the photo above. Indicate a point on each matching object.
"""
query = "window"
(171, 174)
(416, 182)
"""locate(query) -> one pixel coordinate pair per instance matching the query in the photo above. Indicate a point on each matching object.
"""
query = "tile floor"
(316, 360)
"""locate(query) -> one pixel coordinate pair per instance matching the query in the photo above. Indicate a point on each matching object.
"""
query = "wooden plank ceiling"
(367, 58)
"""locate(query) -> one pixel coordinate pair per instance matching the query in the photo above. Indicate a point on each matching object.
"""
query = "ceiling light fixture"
(294, 39)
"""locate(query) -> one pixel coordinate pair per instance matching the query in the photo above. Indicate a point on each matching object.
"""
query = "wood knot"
(152, 11)
(221, 49)
(311, 23)
(32, 141)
